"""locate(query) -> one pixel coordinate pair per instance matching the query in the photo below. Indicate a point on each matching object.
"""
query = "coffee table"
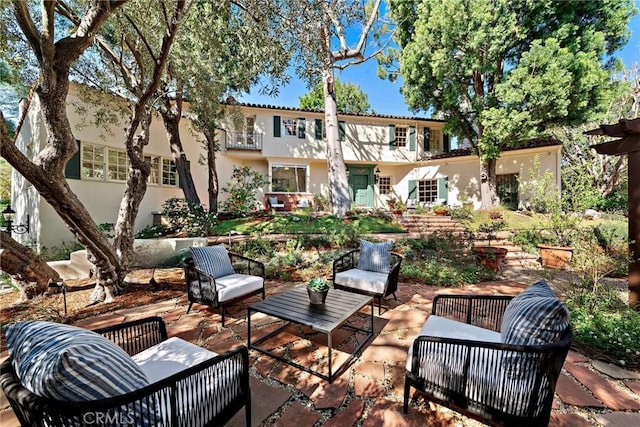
(293, 306)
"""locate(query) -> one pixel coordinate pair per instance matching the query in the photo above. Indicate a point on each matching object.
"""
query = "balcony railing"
(244, 141)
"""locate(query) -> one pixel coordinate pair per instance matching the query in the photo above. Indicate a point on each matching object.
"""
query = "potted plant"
(317, 288)
(467, 204)
(441, 210)
(488, 256)
(557, 248)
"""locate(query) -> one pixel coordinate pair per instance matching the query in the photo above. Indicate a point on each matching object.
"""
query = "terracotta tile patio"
(369, 393)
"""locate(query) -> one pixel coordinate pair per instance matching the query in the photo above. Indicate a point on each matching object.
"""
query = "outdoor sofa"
(492, 358)
(170, 382)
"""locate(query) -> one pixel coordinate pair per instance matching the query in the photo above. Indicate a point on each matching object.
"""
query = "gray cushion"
(534, 317)
(213, 260)
(69, 363)
(375, 256)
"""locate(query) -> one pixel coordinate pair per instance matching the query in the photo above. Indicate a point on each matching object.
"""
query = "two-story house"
(406, 158)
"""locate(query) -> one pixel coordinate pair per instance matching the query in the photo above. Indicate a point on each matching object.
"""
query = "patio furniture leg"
(189, 309)
(222, 310)
(405, 408)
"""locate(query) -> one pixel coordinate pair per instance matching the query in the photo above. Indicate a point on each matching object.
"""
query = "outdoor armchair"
(218, 278)
(371, 270)
(207, 393)
(460, 359)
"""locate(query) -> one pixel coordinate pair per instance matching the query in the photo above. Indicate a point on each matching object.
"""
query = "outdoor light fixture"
(9, 214)
(376, 175)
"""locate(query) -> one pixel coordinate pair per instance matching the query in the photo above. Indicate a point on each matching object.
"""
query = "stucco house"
(408, 158)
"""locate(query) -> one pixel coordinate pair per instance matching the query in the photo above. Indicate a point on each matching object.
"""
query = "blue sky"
(385, 97)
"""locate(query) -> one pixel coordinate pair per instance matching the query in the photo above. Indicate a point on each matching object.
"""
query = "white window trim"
(290, 165)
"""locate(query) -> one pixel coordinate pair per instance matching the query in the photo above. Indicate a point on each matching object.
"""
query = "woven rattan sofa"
(208, 393)
(460, 361)
(348, 277)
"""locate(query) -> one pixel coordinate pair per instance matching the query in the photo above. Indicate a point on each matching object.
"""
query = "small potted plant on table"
(318, 288)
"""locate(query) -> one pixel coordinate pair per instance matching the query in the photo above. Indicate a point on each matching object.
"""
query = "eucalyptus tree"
(334, 35)
(36, 37)
(504, 71)
(350, 98)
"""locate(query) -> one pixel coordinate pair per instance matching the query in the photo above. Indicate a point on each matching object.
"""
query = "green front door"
(360, 189)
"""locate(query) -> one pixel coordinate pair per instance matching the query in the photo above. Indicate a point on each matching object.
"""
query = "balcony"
(243, 141)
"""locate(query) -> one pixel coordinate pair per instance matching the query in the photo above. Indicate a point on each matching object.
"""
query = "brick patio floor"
(369, 393)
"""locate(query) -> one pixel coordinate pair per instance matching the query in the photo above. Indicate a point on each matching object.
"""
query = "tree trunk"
(338, 183)
(171, 121)
(488, 188)
(136, 185)
(28, 270)
(214, 185)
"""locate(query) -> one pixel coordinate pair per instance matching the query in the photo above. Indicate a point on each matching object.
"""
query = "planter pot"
(555, 256)
(441, 213)
(317, 297)
(490, 257)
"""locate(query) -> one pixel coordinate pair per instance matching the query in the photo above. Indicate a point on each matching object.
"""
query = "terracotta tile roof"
(372, 115)
(533, 143)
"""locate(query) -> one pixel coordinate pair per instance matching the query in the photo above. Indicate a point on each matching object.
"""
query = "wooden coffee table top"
(293, 305)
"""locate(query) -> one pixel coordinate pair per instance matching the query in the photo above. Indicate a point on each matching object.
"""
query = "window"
(290, 127)
(154, 174)
(288, 178)
(169, 173)
(384, 184)
(435, 136)
(401, 136)
(93, 161)
(118, 165)
(428, 190)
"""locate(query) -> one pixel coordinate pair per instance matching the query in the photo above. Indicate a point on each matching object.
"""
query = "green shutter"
(446, 145)
(342, 130)
(412, 138)
(392, 137)
(276, 126)
(302, 128)
(318, 129)
(413, 194)
(426, 139)
(443, 188)
(72, 169)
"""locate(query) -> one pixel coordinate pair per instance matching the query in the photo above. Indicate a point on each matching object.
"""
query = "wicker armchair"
(487, 380)
(348, 277)
(203, 288)
(207, 394)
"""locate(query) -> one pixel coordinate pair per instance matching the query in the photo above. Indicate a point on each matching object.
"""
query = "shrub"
(321, 203)
(154, 231)
(601, 321)
(242, 191)
(528, 239)
(440, 272)
(61, 252)
(186, 217)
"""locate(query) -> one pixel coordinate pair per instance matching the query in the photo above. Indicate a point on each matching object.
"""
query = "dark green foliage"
(242, 188)
(154, 231)
(61, 252)
(528, 240)
(188, 218)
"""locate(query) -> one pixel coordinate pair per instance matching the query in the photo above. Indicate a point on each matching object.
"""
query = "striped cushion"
(213, 260)
(69, 363)
(534, 317)
(375, 256)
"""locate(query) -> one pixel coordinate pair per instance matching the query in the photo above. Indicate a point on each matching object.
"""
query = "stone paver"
(297, 415)
(568, 420)
(572, 394)
(619, 419)
(602, 389)
(369, 392)
(614, 371)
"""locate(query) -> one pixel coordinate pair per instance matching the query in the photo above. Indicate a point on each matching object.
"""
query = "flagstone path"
(369, 393)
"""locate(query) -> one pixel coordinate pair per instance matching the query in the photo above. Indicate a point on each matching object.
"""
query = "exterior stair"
(426, 224)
